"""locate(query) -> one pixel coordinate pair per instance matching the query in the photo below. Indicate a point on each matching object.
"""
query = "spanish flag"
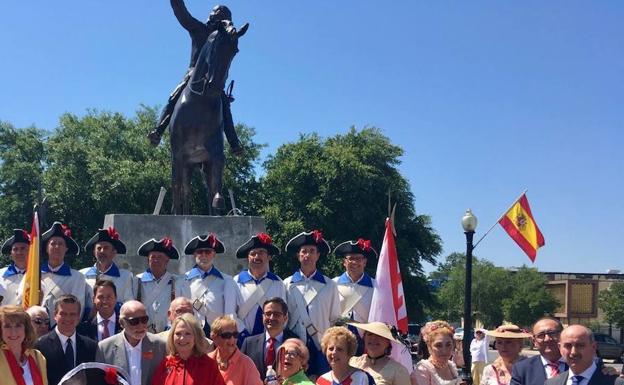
(32, 278)
(519, 223)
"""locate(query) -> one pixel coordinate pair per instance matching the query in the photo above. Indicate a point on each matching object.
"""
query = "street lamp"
(469, 223)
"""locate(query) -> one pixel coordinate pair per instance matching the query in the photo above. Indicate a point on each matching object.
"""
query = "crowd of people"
(206, 327)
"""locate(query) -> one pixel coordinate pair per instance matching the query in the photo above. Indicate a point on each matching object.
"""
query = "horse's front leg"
(176, 183)
(216, 182)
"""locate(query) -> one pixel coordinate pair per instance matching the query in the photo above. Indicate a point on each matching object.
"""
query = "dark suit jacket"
(254, 348)
(528, 372)
(89, 328)
(597, 379)
(50, 346)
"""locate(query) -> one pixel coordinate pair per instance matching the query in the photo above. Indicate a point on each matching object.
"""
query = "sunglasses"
(228, 335)
(40, 321)
(134, 321)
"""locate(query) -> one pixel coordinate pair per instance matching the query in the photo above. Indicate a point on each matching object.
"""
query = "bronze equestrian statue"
(198, 110)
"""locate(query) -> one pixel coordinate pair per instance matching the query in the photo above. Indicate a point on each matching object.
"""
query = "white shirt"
(549, 369)
(478, 349)
(133, 353)
(587, 374)
(100, 325)
(64, 339)
(27, 375)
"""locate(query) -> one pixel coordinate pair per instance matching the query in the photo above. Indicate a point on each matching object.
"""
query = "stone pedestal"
(135, 229)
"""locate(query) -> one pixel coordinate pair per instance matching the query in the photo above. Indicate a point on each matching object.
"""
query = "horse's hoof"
(154, 138)
(218, 202)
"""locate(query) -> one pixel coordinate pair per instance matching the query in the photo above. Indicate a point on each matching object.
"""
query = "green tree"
(611, 302)
(340, 186)
(490, 284)
(22, 158)
(528, 300)
(102, 163)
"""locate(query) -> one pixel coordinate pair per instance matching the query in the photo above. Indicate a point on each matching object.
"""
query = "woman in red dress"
(187, 362)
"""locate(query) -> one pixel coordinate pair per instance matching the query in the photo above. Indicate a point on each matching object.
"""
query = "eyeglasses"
(553, 334)
(228, 335)
(40, 321)
(291, 353)
(270, 314)
(134, 321)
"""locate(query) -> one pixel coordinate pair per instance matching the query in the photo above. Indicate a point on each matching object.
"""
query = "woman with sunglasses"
(235, 367)
(39, 319)
(187, 362)
(19, 362)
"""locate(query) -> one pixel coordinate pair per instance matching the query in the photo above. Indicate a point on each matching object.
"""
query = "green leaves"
(611, 302)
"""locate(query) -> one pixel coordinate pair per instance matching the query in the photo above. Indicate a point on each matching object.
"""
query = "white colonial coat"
(322, 302)
(213, 294)
(253, 293)
(10, 280)
(121, 278)
(156, 296)
(64, 281)
(355, 297)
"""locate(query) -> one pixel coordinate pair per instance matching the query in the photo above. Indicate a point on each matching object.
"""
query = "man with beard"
(104, 246)
(257, 283)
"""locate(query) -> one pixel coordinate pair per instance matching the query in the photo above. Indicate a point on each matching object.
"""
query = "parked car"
(608, 347)
(459, 333)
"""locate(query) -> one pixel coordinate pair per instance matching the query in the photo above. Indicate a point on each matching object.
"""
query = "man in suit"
(133, 349)
(262, 348)
(63, 348)
(578, 348)
(105, 323)
(537, 369)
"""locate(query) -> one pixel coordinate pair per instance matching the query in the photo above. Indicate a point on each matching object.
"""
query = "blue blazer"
(529, 372)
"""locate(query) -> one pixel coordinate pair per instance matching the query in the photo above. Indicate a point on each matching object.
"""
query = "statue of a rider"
(220, 17)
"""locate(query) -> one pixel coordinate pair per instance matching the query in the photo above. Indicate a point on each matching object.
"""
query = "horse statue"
(196, 126)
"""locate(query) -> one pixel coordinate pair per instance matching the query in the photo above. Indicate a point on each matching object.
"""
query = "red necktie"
(554, 369)
(269, 358)
(105, 332)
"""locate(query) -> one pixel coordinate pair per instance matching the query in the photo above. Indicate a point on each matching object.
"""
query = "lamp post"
(469, 223)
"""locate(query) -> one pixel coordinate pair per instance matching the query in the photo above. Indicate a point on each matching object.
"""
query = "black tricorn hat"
(109, 235)
(19, 236)
(165, 245)
(313, 237)
(60, 230)
(258, 241)
(361, 246)
(209, 241)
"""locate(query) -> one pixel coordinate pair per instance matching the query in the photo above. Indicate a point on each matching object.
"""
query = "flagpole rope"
(501, 217)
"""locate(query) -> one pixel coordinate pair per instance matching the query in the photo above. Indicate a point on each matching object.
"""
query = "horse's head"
(213, 63)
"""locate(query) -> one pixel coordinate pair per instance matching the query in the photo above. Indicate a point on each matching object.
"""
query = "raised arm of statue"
(184, 17)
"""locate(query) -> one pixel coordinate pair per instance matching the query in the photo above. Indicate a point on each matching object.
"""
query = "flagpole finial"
(469, 221)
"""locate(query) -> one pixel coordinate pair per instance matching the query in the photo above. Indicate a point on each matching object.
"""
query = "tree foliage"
(340, 186)
(102, 163)
(497, 294)
(611, 302)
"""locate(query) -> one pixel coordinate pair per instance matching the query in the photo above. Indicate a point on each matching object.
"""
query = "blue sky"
(487, 98)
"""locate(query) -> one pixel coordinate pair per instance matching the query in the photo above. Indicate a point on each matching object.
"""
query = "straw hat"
(379, 328)
(508, 331)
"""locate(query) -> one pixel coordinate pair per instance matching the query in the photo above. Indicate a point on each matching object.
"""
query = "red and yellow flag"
(519, 223)
(32, 278)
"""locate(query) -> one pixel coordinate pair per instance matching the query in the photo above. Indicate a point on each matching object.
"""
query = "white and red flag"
(388, 303)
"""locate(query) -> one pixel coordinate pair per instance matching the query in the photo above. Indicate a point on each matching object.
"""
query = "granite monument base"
(136, 229)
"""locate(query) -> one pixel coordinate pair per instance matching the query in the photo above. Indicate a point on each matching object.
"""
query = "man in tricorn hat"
(313, 298)
(220, 17)
(213, 293)
(57, 278)
(257, 283)
(354, 285)
(104, 246)
(11, 276)
(156, 286)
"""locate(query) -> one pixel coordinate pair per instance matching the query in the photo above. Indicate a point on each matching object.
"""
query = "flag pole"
(498, 220)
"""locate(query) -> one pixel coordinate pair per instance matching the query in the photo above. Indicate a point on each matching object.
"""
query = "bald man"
(179, 306)
(133, 349)
(578, 348)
